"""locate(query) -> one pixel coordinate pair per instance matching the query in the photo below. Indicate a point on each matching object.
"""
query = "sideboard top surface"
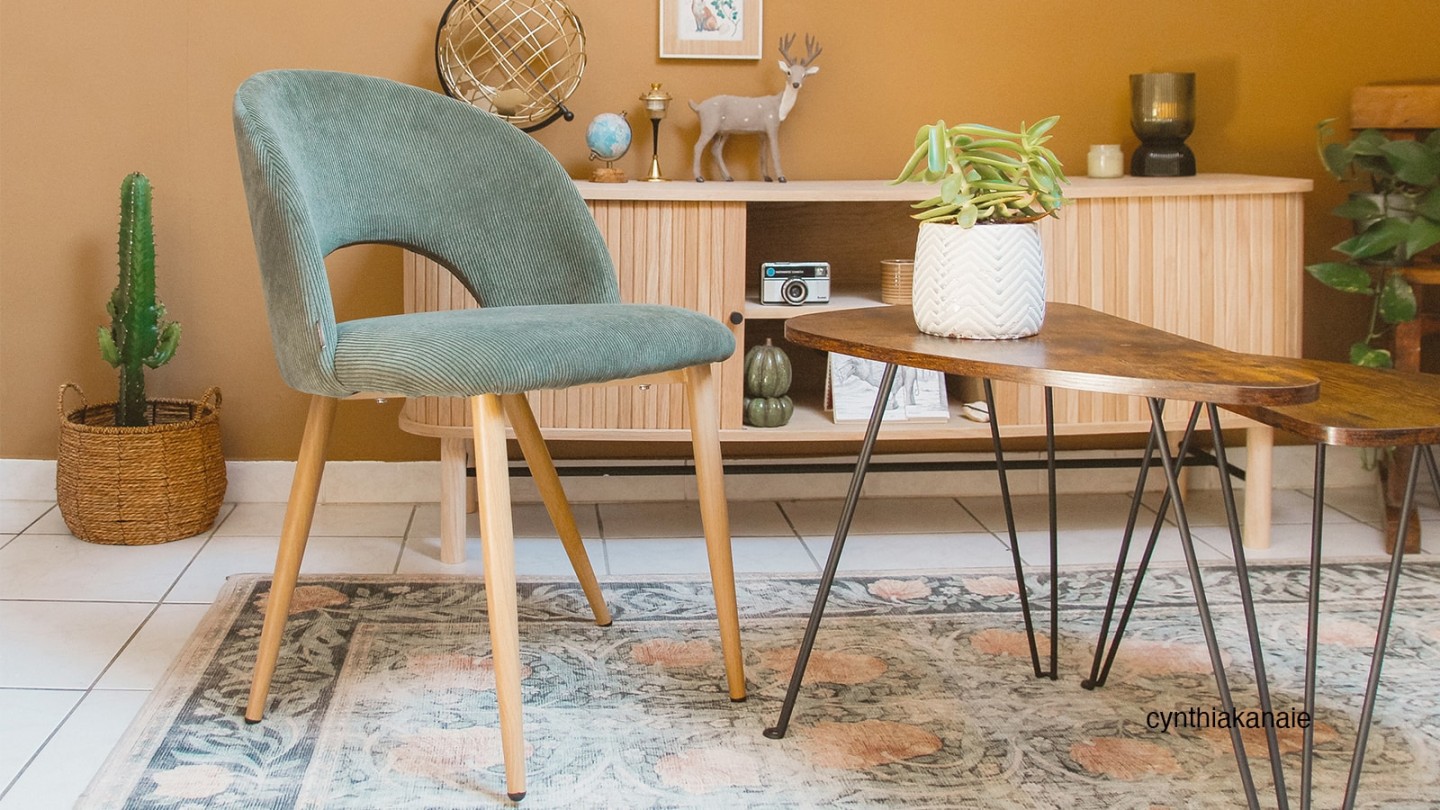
(1201, 185)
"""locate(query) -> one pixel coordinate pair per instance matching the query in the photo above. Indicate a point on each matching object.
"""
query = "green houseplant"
(986, 174)
(138, 335)
(1396, 218)
(139, 471)
(988, 281)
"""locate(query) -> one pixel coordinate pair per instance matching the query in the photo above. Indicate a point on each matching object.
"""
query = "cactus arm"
(108, 352)
(165, 349)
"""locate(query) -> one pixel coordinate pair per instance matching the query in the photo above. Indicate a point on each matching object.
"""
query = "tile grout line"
(158, 602)
(43, 744)
(213, 530)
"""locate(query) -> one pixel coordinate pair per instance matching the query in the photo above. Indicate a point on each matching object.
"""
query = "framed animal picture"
(710, 29)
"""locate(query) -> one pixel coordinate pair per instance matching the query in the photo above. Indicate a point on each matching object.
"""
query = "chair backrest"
(335, 159)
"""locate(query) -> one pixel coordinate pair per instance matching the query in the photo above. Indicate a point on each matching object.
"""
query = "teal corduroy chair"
(332, 159)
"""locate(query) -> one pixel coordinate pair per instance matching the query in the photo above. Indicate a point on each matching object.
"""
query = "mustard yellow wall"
(96, 90)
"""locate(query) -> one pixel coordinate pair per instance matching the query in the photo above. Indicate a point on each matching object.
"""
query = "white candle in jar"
(1105, 160)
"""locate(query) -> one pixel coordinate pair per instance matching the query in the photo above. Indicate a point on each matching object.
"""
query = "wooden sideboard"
(1216, 258)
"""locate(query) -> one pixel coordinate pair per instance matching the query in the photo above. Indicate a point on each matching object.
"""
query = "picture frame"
(852, 383)
(710, 29)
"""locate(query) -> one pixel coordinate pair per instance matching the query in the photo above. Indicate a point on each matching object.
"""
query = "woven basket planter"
(985, 282)
(136, 486)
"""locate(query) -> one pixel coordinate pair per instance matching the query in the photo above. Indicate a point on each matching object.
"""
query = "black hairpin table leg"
(1098, 672)
(1202, 605)
(1247, 602)
(1387, 611)
(1014, 539)
(1054, 672)
(1312, 628)
(832, 564)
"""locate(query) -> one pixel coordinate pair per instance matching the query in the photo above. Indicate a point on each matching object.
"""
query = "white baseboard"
(419, 481)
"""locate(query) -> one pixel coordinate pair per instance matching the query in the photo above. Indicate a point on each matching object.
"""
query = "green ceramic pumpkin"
(768, 412)
(767, 371)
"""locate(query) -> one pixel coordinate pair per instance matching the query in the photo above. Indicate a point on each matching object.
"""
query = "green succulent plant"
(1395, 221)
(986, 175)
(138, 335)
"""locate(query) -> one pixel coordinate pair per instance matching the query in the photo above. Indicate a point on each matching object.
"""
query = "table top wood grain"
(1358, 407)
(1078, 348)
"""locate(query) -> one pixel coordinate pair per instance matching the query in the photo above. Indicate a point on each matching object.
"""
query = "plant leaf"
(1357, 208)
(1377, 240)
(1336, 158)
(968, 215)
(1042, 126)
(1413, 163)
(937, 147)
(937, 211)
(1370, 142)
(1343, 277)
(1362, 355)
(911, 166)
(1397, 299)
(1428, 206)
(1424, 234)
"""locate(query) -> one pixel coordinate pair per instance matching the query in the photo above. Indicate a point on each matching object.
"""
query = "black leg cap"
(250, 722)
(606, 624)
(774, 733)
(737, 700)
(515, 797)
(1089, 684)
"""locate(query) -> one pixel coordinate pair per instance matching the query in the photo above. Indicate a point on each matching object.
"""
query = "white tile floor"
(87, 630)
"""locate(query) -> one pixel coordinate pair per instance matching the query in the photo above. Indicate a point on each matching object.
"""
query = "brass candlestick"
(657, 101)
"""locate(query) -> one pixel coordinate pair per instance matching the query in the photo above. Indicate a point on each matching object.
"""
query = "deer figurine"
(723, 116)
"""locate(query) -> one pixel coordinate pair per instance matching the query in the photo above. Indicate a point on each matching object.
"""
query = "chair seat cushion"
(508, 350)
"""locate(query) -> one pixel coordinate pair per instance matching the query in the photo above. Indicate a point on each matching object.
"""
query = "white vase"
(985, 282)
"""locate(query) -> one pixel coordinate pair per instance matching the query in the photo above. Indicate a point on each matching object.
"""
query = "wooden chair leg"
(472, 502)
(452, 500)
(304, 488)
(715, 514)
(542, 468)
(497, 541)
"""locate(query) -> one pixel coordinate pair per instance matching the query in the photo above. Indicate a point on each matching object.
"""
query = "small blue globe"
(608, 137)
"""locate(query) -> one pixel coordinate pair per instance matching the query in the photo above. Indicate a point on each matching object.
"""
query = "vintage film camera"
(795, 283)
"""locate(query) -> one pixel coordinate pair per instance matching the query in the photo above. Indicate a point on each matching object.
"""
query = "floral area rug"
(920, 694)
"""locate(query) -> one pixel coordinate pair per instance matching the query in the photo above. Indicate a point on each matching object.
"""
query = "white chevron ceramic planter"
(985, 282)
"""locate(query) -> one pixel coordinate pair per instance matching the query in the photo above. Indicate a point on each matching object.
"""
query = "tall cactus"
(137, 335)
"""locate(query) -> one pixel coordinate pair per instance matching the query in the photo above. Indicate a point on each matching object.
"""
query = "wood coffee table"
(1078, 348)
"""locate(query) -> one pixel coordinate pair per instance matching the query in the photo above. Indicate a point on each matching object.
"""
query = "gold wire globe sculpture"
(520, 59)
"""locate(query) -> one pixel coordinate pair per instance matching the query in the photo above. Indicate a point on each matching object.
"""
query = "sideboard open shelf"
(1216, 258)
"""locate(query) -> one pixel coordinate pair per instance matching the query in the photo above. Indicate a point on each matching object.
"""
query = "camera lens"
(794, 292)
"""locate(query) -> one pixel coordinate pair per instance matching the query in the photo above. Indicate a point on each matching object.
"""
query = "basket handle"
(212, 393)
(60, 401)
